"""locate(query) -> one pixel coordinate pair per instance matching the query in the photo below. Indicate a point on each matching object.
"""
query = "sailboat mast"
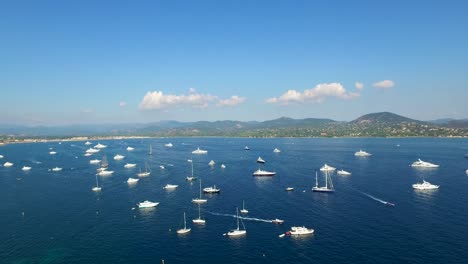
(237, 211)
(316, 180)
(326, 179)
(185, 224)
(192, 168)
(97, 185)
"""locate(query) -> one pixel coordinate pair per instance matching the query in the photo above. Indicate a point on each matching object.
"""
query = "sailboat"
(237, 231)
(185, 229)
(328, 188)
(243, 210)
(97, 188)
(199, 200)
(104, 164)
(150, 152)
(145, 173)
(199, 220)
(191, 178)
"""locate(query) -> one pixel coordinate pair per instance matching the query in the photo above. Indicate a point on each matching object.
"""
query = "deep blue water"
(55, 217)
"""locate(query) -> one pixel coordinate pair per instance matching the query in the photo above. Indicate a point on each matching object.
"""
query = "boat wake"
(242, 217)
(377, 199)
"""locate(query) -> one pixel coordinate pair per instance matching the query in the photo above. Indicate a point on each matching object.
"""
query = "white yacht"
(199, 220)
(301, 230)
(52, 152)
(425, 186)
(276, 150)
(328, 188)
(261, 172)
(260, 160)
(199, 199)
(94, 161)
(212, 189)
(92, 150)
(199, 151)
(7, 164)
(185, 229)
(277, 221)
(423, 164)
(130, 165)
(211, 163)
(132, 180)
(168, 145)
(88, 143)
(170, 186)
(119, 157)
(362, 153)
(243, 210)
(56, 169)
(327, 168)
(105, 173)
(238, 231)
(100, 146)
(343, 172)
(147, 204)
(26, 168)
(130, 148)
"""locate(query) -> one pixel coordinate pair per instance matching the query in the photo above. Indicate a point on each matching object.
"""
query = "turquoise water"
(55, 217)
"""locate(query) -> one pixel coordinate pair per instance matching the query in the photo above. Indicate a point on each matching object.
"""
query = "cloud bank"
(317, 94)
(359, 86)
(157, 100)
(385, 84)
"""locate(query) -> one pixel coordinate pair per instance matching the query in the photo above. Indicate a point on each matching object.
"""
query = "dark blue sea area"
(55, 217)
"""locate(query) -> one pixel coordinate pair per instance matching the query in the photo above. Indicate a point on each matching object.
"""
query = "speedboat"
(88, 154)
(130, 165)
(260, 160)
(147, 204)
(170, 186)
(300, 230)
(423, 164)
(132, 180)
(277, 221)
(425, 186)
(88, 143)
(105, 173)
(260, 172)
(168, 145)
(327, 168)
(26, 168)
(130, 148)
(199, 151)
(246, 148)
(56, 169)
(7, 164)
(343, 172)
(1, 156)
(211, 163)
(276, 150)
(289, 189)
(362, 153)
(119, 157)
(92, 150)
(162, 167)
(211, 189)
(223, 166)
(53, 152)
(389, 204)
(100, 146)
(94, 161)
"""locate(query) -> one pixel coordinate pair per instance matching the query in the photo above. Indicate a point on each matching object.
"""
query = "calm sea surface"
(55, 217)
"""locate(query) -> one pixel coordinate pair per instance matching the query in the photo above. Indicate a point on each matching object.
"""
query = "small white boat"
(211, 189)
(425, 186)
(92, 150)
(343, 172)
(199, 151)
(277, 221)
(423, 164)
(105, 173)
(147, 204)
(260, 172)
(289, 189)
(246, 148)
(52, 152)
(199, 220)
(223, 166)
(362, 153)
(238, 231)
(260, 160)
(1, 156)
(132, 180)
(88, 143)
(26, 168)
(130, 165)
(162, 167)
(168, 145)
(170, 186)
(276, 150)
(119, 157)
(100, 146)
(7, 164)
(185, 229)
(243, 210)
(94, 161)
(327, 168)
(97, 188)
(56, 169)
(211, 163)
(130, 148)
(88, 154)
(300, 230)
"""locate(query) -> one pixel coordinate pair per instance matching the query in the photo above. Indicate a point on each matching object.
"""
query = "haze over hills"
(381, 124)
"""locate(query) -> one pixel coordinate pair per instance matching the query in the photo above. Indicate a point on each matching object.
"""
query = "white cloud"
(359, 86)
(317, 94)
(122, 104)
(385, 84)
(159, 100)
(233, 101)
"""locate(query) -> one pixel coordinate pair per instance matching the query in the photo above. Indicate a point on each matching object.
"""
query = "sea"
(55, 217)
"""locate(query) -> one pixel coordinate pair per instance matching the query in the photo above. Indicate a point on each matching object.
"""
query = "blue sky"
(79, 62)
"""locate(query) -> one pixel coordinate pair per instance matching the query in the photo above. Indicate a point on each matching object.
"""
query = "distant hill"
(450, 122)
(383, 124)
